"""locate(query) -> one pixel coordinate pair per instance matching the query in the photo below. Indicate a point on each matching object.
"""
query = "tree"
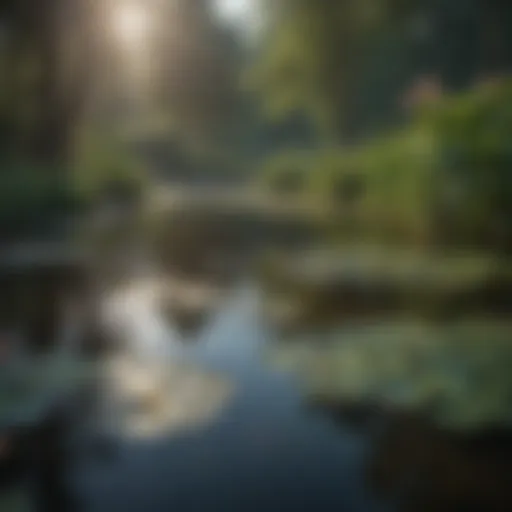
(48, 56)
(197, 73)
(346, 63)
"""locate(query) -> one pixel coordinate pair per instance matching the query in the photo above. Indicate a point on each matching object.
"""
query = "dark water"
(210, 424)
(261, 451)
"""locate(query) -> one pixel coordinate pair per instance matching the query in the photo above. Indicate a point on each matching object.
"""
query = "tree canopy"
(348, 62)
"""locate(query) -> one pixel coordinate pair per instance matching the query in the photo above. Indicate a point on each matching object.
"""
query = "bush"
(286, 173)
(475, 157)
(446, 179)
(106, 170)
(34, 199)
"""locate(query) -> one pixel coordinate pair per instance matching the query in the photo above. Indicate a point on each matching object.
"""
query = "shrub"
(286, 173)
(34, 199)
(444, 179)
(104, 169)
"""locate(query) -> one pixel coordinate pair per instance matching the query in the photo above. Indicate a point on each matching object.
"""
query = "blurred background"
(255, 255)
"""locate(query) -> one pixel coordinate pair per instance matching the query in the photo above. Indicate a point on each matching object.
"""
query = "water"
(256, 449)
(215, 423)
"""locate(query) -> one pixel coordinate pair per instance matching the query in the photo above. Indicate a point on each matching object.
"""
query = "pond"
(230, 418)
(234, 434)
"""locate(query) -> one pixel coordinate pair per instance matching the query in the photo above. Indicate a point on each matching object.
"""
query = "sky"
(241, 14)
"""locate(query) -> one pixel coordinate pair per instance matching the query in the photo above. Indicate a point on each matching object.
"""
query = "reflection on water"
(433, 402)
(131, 314)
(150, 404)
(151, 388)
(420, 467)
(253, 448)
(428, 469)
(240, 421)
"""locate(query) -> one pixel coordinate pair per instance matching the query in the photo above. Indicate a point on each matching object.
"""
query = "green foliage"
(399, 173)
(347, 64)
(317, 56)
(286, 173)
(34, 199)
(458, 373)
(475, 157)
(444, 179)
(105, 168)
